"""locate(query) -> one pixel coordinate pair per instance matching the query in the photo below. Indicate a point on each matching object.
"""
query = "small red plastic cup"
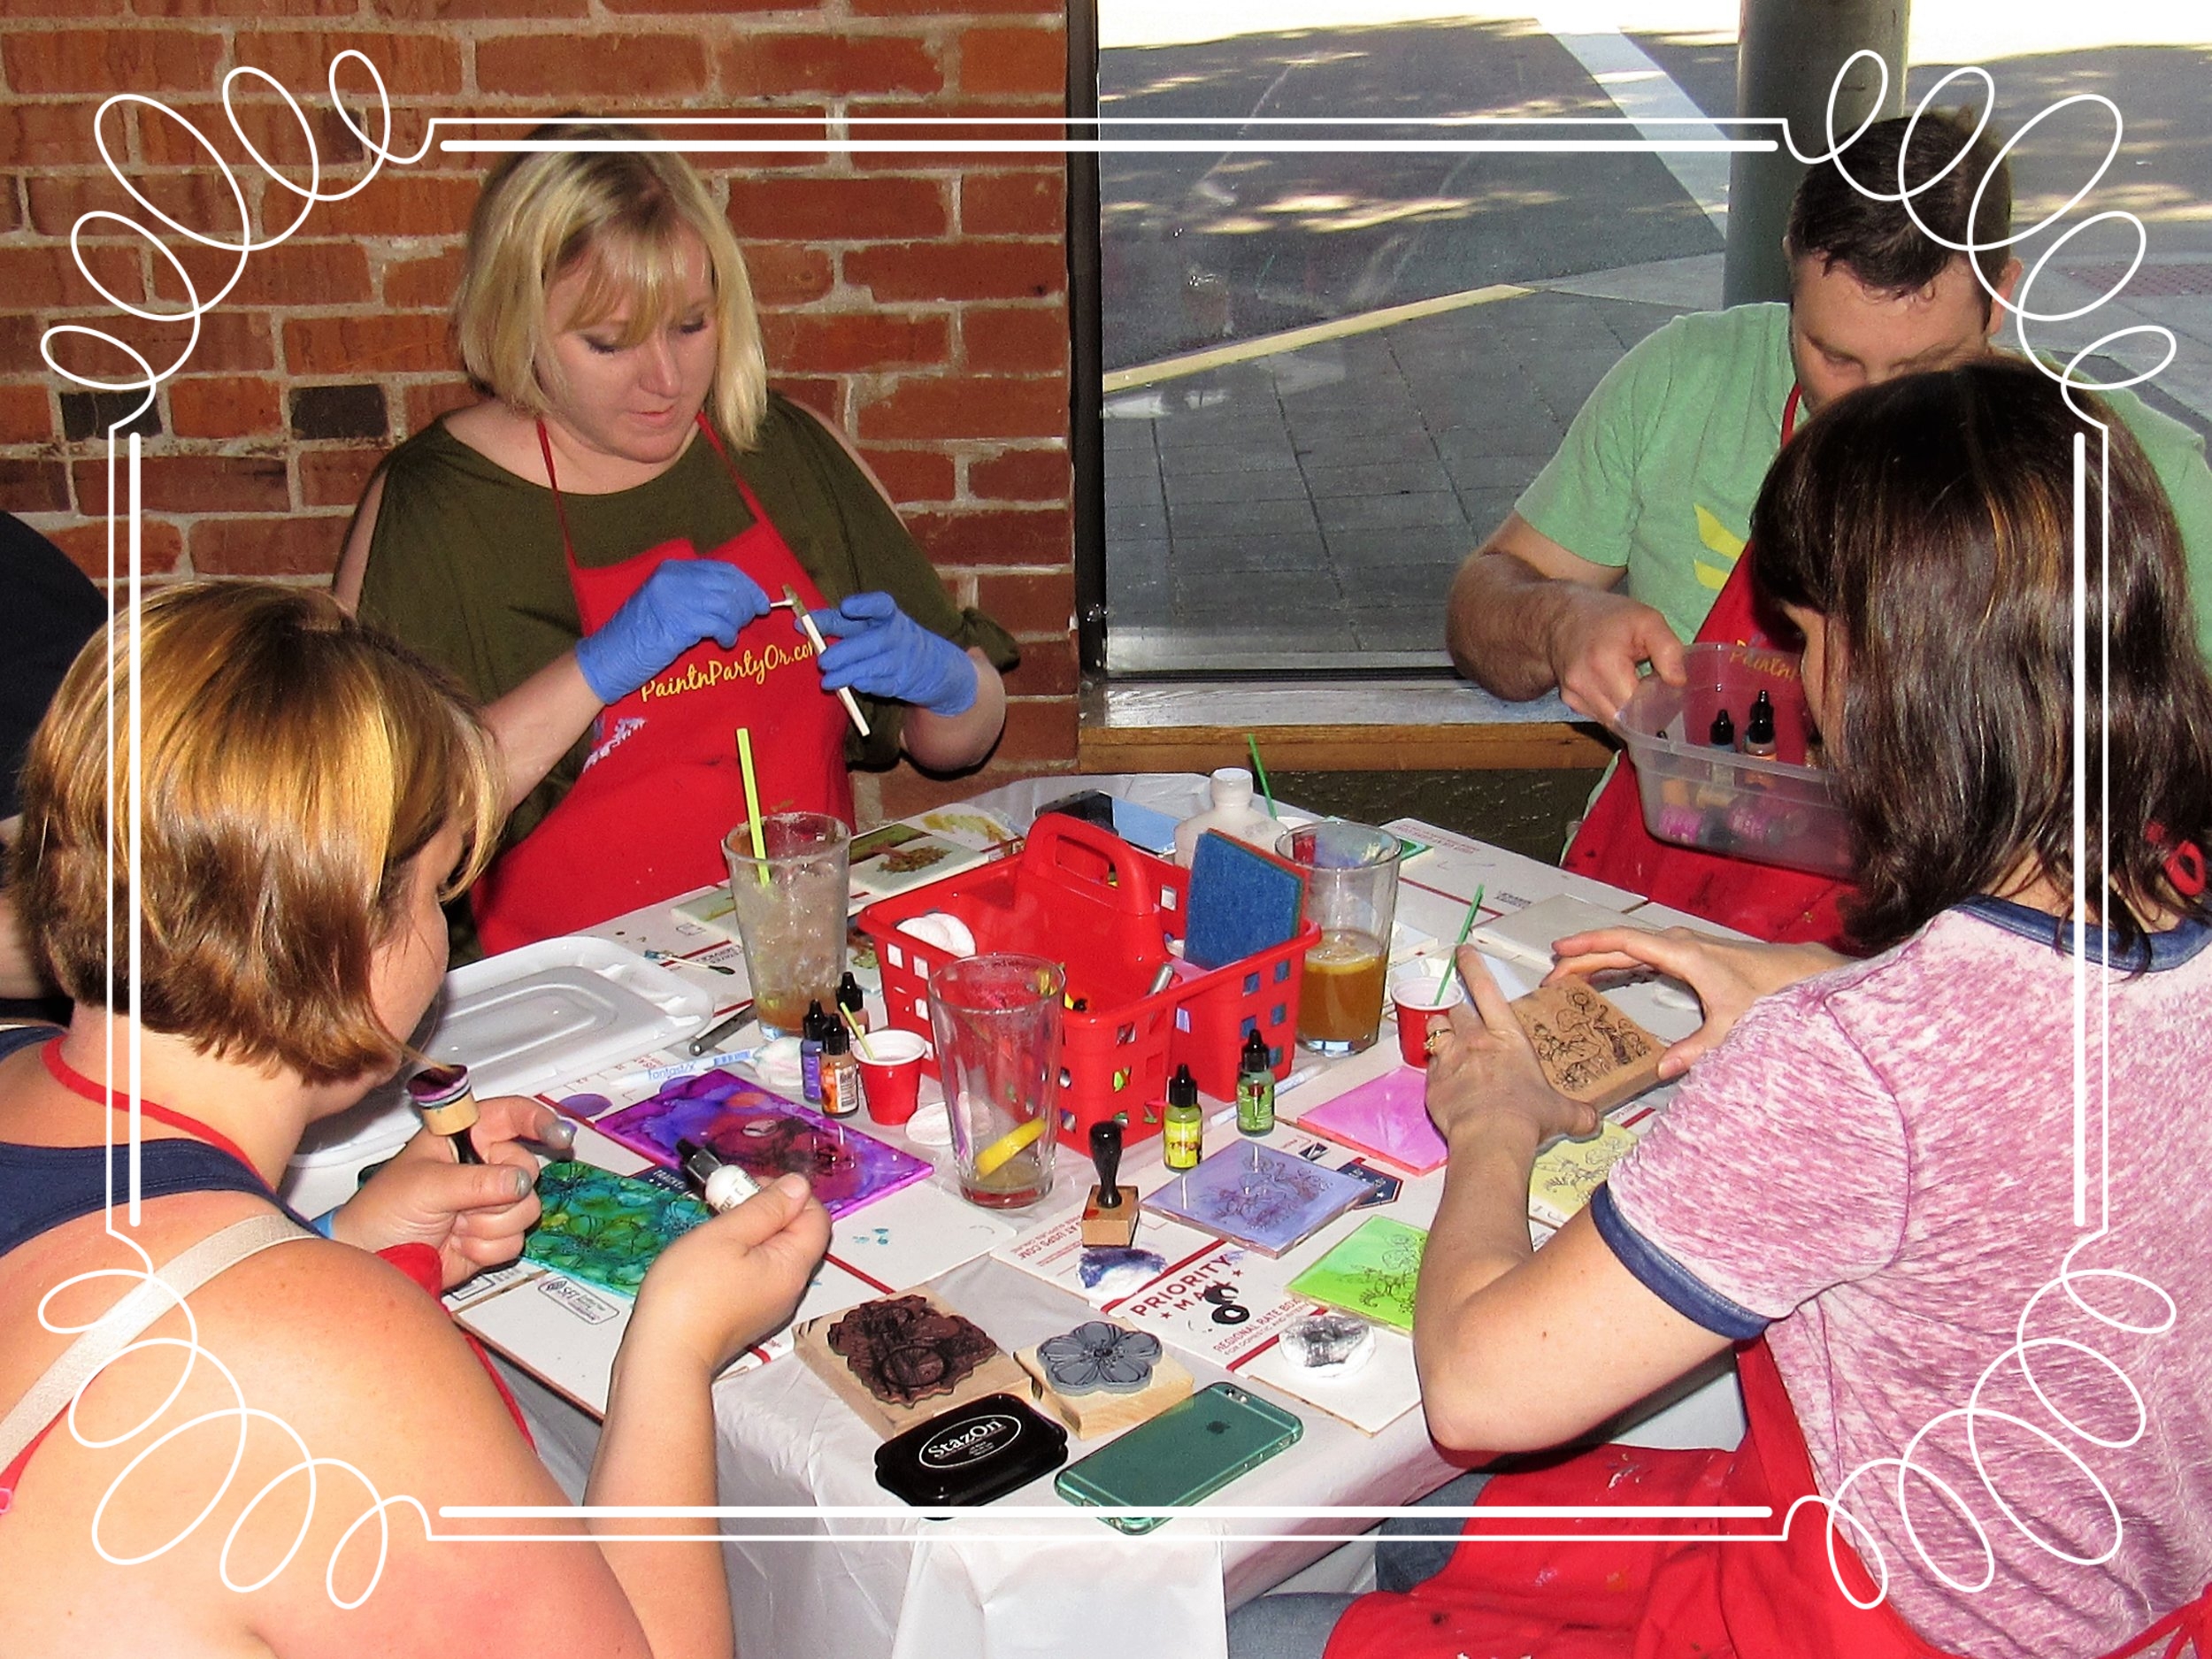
(890, 1074)
(1417, 994)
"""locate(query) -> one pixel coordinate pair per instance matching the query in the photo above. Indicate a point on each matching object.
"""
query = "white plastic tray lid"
(520, 1021)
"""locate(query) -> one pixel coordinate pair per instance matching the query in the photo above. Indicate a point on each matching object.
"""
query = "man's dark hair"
(1930, 520)
(1877, 241)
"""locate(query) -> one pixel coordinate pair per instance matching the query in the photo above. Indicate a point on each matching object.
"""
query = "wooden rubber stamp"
(1109, 1217)
(1589, 1049)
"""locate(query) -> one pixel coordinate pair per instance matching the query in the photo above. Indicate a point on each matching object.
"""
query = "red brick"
(402, 204)
(271, 128)
(1004, 535)
(160, 545)
(413, 283)
(52, 134)
(11, 201)
(670, 8)
(33, 486)
(335, 478)
(224, 406)
(109, 60)
(427, 400)
(198, 199)
(937, 9)
(966, 270)
(1026, 204)
(293, 272)
(799, 123)
(443, 10)
(414, 62)
(370, 343)
(1038, 729)
(544, 65)
(850, 342)
(193, 483)
(297, 546)
(1014, 338)
(863, 209)
(996, 61)
(54, 9)
(913, 475)
(1028, 604)
(247, 9)
(26, 415)
(46, 274)
(228, 340)
(968, 406)
(784, 273)
(18, 345)
(824, 394)
(1021, 475)
(757, 65)
(1048, 669)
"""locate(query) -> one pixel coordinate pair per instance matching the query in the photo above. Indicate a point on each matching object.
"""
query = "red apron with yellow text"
(661, 786)
(1765, 901)
(1619, 1593)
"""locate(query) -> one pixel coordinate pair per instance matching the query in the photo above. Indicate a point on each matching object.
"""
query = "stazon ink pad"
(971, 1454)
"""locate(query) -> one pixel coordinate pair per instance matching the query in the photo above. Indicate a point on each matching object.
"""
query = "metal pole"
(1086, 437)
(1786, 58)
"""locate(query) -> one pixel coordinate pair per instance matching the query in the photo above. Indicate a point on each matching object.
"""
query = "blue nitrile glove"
(683, 602)
(886, 653)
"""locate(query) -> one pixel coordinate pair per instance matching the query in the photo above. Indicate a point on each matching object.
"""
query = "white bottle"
(1232, 813)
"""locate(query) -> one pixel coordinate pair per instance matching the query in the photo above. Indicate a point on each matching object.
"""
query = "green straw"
(1260, 772)
(752, 803)
(1451, 971)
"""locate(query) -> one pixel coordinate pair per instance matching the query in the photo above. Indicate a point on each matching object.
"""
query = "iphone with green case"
(1192, 1449)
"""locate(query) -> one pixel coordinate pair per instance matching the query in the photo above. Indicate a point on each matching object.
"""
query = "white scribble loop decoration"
(237, 1412)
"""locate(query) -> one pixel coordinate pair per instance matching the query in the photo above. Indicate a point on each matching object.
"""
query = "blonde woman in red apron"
(605, 304)
(1996, 1380)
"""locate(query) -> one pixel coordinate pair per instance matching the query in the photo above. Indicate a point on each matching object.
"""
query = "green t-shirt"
(465, 564)
(1661, 464)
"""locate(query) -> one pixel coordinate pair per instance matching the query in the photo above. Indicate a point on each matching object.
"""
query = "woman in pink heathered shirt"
(1976, 1318)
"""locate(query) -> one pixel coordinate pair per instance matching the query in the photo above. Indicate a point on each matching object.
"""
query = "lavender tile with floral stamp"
(1258, 1197)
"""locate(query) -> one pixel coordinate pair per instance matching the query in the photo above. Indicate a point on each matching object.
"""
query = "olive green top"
(465, 564)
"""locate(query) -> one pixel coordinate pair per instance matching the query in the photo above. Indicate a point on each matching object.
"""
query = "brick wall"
(919, 300)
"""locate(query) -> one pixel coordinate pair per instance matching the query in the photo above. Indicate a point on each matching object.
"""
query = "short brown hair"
(295, 763)
(1931, 520)
(1834, 220)
(620, 216)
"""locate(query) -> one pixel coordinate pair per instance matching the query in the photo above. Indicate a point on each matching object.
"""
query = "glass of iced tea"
(1352, 896)
(790, 905)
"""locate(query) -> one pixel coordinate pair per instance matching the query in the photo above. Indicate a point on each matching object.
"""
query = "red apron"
(661, 786)
(1765, 901)
(1689, 1599)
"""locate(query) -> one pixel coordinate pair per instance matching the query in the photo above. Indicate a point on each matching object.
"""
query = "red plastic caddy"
(1105, 910)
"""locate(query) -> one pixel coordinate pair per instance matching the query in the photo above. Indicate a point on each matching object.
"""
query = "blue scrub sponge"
(1241, 901)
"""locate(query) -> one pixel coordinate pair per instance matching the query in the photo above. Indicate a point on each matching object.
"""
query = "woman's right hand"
(683, 602)
(724, 1285)
(1729, 975)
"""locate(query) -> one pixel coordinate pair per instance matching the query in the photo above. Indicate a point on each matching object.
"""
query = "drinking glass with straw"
(789, 889)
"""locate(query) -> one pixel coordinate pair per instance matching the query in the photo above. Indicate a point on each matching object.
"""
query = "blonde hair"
(619, 217)
(295, 763)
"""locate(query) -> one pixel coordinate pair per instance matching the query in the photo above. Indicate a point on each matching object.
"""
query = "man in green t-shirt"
(1612, 557)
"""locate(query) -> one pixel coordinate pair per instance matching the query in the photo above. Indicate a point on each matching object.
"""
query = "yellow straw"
(860, 1037)
(752, 803)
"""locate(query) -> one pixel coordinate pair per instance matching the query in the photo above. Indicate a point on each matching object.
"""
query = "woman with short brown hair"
(246, 940)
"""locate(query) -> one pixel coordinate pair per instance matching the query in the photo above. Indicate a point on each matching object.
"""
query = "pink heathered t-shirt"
(1880, 1161)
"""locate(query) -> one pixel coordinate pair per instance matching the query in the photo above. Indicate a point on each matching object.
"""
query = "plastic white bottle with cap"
(1232, 813)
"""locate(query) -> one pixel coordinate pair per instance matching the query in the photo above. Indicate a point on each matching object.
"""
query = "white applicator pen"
(722, 1186)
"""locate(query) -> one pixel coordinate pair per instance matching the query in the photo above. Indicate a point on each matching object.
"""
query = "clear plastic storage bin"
(1777, 811)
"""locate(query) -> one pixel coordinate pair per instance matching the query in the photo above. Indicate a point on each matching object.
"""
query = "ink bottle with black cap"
(849, 1000)
(1255, 1087)
(1183, 1131)
(811, 1028)
(1758, 728)
(841, 1072)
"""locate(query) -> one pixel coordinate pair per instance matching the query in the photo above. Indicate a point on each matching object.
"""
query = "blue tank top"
(42, 1187)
